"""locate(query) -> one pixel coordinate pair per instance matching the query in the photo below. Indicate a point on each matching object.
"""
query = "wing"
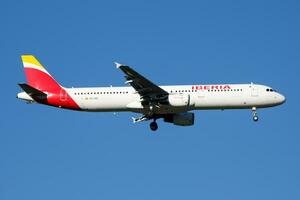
(148, 90)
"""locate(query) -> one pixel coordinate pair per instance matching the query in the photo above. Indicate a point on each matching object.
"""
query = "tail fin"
(37, 76)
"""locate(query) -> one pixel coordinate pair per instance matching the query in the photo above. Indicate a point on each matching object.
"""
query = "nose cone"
(280, 98)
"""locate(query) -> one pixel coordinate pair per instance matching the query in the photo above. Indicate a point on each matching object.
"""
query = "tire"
(153, 126)
(255, 118)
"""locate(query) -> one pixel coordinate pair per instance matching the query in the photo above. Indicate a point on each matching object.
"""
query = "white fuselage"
(231, 96)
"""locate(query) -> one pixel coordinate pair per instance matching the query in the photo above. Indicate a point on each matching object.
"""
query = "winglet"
(118, 65)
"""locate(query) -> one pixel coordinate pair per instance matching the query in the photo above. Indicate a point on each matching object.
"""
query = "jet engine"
(181, 119)
(179, 100)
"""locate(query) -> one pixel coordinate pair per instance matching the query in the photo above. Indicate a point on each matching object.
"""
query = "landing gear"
(153, 126)
(255, 117)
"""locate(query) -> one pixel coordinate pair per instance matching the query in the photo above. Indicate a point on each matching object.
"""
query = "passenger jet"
(171, 103)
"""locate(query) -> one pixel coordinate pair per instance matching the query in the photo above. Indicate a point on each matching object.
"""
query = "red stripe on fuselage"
(57, 95)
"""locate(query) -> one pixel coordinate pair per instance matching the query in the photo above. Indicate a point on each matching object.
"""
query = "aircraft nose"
(281, 98)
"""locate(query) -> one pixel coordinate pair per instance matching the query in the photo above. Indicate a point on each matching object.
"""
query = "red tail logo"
(38, 77)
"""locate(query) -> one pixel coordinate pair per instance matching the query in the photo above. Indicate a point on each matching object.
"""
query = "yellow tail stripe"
(31, 59)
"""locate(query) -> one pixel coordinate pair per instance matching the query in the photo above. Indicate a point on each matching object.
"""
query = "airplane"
(173, 103)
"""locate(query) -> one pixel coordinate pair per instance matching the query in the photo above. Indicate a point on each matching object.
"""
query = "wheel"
(255, 118)
(153, 126)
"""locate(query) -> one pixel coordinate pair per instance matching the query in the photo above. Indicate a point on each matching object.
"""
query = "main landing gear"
(255, 117)
(153, 126)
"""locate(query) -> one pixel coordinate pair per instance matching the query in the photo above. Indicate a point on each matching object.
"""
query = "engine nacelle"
(179, 100)
(181, 119)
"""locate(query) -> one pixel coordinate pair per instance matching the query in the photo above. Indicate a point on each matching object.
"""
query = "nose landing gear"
(153, 126)
(255, 117)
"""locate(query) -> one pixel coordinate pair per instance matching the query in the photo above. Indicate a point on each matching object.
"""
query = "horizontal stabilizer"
(33, 92)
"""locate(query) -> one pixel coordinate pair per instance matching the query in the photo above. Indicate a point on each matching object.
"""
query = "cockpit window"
(270, 90)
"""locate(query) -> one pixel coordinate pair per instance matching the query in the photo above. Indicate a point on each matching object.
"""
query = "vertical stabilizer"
(37, 76)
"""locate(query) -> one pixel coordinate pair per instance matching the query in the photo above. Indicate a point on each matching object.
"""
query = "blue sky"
(47, 153)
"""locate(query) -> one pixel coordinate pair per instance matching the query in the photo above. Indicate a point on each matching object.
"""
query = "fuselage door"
(63, 95)
(254, 91)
